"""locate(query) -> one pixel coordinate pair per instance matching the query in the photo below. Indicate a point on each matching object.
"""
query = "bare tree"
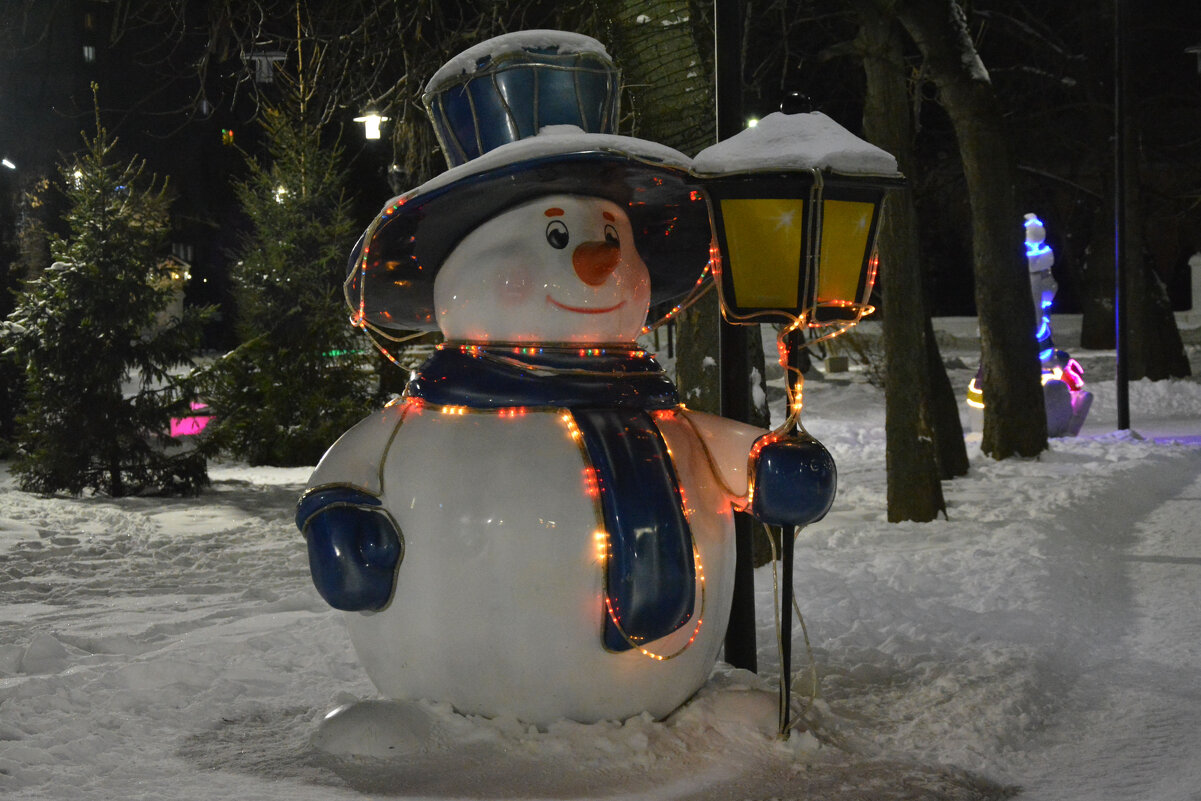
(1014, 418)
(914, 487)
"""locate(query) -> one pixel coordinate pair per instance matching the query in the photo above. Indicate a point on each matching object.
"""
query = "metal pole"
(787, 543)
(1119, 216)
(740, 647)
(796, 347)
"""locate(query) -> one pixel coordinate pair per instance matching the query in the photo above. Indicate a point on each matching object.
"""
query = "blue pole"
(1121, 343)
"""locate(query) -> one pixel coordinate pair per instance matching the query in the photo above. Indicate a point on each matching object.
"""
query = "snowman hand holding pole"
(793, 482)
(793, 476)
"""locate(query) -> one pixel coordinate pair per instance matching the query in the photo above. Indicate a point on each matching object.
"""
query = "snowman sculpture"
(538, 527)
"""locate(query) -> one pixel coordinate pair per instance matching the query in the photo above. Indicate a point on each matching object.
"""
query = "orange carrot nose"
(595, 261)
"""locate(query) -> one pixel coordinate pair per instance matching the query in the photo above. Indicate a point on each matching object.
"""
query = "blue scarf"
(650, 574)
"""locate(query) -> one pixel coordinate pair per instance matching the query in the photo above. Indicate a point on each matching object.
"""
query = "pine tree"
(97, 349)
(300, 377)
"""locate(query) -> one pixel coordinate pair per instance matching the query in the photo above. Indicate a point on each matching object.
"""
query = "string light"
(752, 458)
(572, 429)
(698, 291)
(603, 551)
(591, 482)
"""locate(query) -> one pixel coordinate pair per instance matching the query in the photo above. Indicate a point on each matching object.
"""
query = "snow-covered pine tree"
(300, 377)
(98, 354)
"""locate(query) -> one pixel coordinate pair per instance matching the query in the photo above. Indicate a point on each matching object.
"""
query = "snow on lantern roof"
(795, 142)
(483, 54)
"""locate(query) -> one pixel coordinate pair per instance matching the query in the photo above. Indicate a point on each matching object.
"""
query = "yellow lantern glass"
(765, 236)
(846, 236)
(795, 245)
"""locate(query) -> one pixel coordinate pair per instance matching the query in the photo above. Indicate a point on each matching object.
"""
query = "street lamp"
(8, 164)
(795, 204)
(372, 120)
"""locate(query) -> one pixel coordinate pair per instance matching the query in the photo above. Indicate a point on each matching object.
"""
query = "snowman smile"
(584, 309)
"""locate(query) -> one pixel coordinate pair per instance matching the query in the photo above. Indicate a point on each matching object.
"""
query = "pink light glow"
(192, 425)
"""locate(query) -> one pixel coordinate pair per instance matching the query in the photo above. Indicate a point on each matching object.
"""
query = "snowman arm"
(354, 545)
(793, 478)
(726, 445)
(357, 458)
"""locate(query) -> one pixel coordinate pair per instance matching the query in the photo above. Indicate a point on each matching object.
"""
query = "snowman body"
(499, 603)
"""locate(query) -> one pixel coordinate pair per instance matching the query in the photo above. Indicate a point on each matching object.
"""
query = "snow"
(781, 141)
(795, 142)
(481, 54)
(1045, 636)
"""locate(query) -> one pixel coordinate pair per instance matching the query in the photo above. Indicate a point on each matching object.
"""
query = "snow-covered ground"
(1042, 641)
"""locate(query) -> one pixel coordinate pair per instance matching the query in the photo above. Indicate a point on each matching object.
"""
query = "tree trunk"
(914, 486)
(1015, 422)
(671, 96)
(1155, 349)
(666, 80)
(943, 413)
(697, 370)
(1154, 346)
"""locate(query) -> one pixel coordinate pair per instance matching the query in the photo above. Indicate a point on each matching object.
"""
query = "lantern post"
(795, 205)
(734, 376)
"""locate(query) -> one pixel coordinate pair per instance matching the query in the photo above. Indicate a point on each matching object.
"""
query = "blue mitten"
(354, 548)
(795, 480)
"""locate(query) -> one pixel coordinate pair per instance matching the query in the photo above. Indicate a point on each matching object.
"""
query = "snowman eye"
(611, 235)
(556, 234)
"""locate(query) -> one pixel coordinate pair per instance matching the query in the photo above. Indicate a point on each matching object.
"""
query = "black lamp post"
(740, 646)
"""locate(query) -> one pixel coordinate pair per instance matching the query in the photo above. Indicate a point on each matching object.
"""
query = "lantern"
(795, 204)
(372, 122)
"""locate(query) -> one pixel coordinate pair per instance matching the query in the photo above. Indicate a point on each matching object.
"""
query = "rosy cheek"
(633, 280)
(513, 286)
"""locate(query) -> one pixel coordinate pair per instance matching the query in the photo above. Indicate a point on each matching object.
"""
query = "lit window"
(89, 54)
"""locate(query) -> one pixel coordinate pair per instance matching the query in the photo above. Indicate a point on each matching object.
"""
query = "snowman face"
(561, 268)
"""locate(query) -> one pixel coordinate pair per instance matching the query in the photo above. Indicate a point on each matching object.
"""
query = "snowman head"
(1036, 232)
(557, 269)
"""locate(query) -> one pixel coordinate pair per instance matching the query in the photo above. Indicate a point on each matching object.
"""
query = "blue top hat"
(521, 116)
(513, 86)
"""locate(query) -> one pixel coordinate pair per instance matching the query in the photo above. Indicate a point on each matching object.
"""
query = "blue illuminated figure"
(1040, 257)
(1066, 400)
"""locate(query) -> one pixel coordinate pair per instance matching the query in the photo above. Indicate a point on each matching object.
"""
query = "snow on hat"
(520, 116)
